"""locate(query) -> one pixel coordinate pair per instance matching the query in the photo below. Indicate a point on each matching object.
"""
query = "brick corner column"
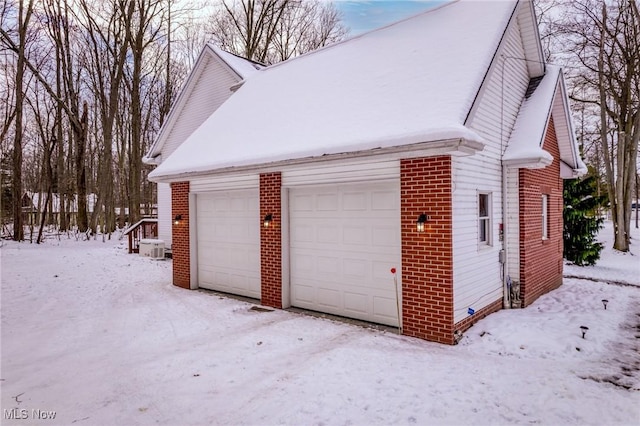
(271, 239)
(427, 257)
(180, 245)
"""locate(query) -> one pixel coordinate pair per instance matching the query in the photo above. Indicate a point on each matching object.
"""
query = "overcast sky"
(362, 15)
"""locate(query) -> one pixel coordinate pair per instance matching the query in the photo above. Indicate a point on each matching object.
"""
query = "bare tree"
(140, 36)
(270, 31)
(109, 45)
(603, 39)
(24, 16)
(306, 27)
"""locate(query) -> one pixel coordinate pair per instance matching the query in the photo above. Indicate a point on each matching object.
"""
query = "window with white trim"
(545, 217)
(484, 218)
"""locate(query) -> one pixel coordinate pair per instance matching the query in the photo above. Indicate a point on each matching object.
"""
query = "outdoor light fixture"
(604, 302)
(422, 219)
(267, 220)
(584, 329)
(177, 219)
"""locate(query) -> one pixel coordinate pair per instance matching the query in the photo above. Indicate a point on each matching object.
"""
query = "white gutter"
(456, 146)
(536, 162)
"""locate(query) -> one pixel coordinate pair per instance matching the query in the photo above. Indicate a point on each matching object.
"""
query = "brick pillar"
(180, 235)
(427, 257)
(271, 240)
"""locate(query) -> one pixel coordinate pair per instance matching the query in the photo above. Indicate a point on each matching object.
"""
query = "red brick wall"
(180, 235)
(427, 258)
(541, 260)
(271, 240)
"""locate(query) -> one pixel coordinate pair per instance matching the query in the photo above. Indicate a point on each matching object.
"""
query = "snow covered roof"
(242, 67)
(546, 96)
(410, 82)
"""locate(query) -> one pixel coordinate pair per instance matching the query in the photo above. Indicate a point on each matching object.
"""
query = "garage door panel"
(355, 268)
(326, 233)
(327, 202)
(356, 303)
(340, 257)
(301, 203)
(229, 242)
(355, 235)
(380, 272)
(354, 201)
(304, 294)
(302, 233)
(238, 205)
(385, 201)
(385, 307)
(328, 265)
(328, 297)
(221, 205)
(383, 234)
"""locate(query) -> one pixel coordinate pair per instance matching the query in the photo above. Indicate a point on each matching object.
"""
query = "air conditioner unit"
(151, 248)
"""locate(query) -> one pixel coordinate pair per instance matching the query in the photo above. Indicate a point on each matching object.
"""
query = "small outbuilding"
(410, 176)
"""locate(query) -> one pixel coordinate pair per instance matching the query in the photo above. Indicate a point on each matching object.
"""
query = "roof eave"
(454, 147)
(568, 172)
(530, 162)
(152, 161)
(187, 88)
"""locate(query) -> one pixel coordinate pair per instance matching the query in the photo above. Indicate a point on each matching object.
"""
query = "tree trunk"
(80, 135)
(23, 22)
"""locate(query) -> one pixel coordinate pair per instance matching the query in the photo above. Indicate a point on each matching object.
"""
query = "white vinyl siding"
(224, 182)
(341, 172)
(211, 89)
(512, 225)
(476, 272)
(164, 214)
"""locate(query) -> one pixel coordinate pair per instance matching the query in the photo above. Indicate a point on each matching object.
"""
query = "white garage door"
(228, 226)
(344, 241)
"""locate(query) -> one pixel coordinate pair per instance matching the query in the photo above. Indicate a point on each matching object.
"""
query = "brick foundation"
(466, 323)
(271, 240)
(541, 260)
(427, 258)
(180, 235)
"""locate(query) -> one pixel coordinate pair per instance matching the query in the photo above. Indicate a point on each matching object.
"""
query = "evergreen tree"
(581, 221)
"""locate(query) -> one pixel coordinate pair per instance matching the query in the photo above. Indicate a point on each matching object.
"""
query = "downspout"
(502, 256)
(504, 260)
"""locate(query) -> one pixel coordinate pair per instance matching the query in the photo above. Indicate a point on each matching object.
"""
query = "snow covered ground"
(102, 337)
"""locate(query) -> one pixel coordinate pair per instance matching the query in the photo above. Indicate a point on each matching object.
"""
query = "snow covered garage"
(403, 177)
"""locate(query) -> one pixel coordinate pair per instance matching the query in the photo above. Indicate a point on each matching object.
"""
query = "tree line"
(87, 85)
(598, 44)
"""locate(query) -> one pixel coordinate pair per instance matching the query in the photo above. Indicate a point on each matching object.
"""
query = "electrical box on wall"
(502, 257)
